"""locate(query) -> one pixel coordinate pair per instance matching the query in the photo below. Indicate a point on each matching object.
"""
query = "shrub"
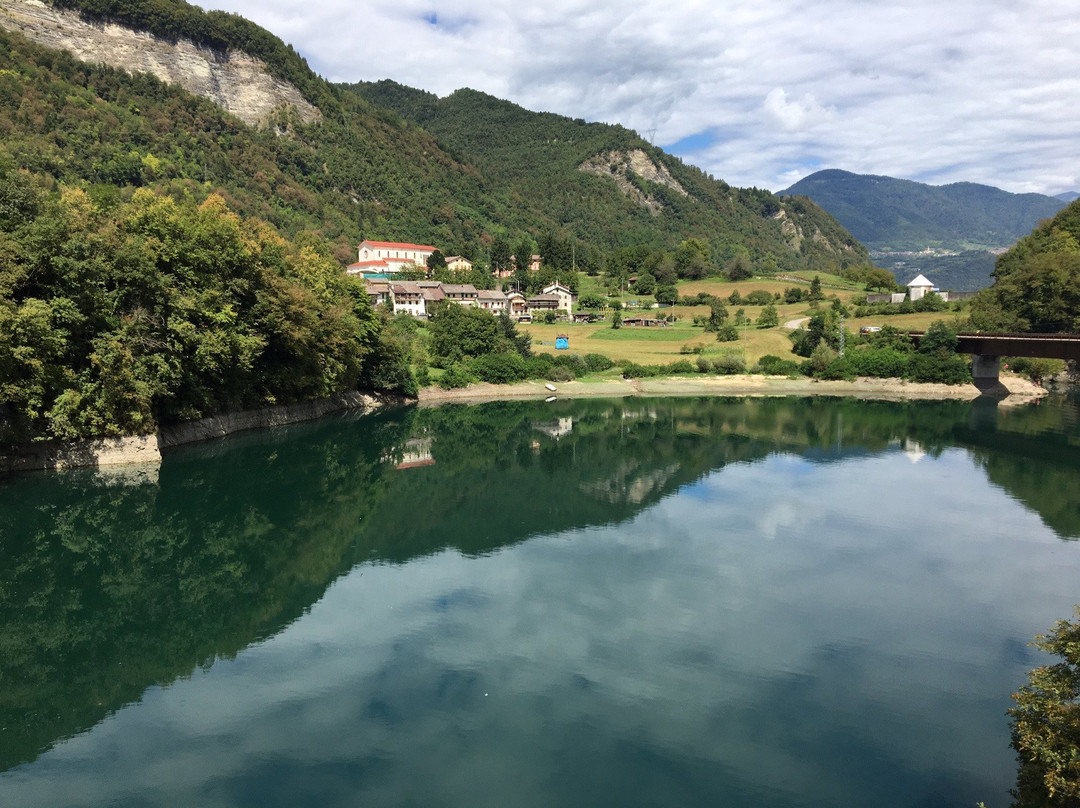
(560, 373)
(538, 366)
(633, 370)
(840, 367)
(704, 365)
(880, 363)
(682, 366)
(502, 368)
(457, 375)
(775, 366)
(1036, 368)
(759, 297)
(597, 362)
(946, 370)
(727, 333)
(730, 365)
(575, 363)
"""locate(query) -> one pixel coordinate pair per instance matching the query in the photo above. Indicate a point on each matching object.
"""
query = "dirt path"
(791, 325)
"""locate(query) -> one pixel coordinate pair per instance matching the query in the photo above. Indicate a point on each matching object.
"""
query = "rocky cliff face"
(237, 82)
(619, 165)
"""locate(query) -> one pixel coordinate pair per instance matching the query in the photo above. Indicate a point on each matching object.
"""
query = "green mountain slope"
(364, 171)
(892, 215)
(1037, 282)
(606, 185)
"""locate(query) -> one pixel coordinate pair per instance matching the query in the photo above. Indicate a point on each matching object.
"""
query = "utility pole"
(842, 335)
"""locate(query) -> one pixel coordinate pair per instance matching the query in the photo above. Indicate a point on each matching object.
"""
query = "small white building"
(459, 263)
(417, 298)
(492, 300)
(566, 298)
(919, 287)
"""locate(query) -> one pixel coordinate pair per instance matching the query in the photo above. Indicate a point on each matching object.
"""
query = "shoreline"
(1020, 390)
(147, 449)
(131, 450)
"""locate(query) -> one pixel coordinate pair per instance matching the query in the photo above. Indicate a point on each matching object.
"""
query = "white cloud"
(941, 92)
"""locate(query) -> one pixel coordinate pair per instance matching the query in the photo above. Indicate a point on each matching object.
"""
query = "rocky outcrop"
(619, 165)
(99, 452)
(235, 81)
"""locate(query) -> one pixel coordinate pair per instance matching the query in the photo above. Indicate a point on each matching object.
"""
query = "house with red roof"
(388, 257)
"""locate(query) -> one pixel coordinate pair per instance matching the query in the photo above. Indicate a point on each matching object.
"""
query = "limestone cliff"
(619, 165)
(237, 82)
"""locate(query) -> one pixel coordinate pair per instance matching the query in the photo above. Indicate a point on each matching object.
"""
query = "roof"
(556, 285)
(396, 245)
(919, 280)
(360, 265)
(459, 288)
(490, 294)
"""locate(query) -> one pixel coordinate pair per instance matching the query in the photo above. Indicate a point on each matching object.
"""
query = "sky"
(755, 92)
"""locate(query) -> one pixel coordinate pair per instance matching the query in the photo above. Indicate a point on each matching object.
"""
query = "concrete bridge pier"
(985, 369)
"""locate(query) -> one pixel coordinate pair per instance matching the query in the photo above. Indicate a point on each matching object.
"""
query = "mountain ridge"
(897, 215)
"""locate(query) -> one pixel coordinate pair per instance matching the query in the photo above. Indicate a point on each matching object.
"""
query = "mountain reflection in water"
(115, 582)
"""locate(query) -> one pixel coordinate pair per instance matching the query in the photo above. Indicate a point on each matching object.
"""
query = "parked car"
(869, 329)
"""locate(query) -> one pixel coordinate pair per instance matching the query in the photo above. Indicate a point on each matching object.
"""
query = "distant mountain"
(964, 272)
(893, 215)
(1068, 196)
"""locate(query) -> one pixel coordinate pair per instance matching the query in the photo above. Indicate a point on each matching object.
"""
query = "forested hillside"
(363, 171)
(1036, 283)
(116, 319)
(607, 186)
(893, 215)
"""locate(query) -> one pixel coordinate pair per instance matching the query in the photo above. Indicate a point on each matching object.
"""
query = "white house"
(416, 297)
(492, 300)
(565, 297)
(461, 293)
(458, 263)
(919, 287)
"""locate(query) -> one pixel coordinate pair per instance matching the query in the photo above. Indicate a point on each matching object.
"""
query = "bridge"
(986, 350)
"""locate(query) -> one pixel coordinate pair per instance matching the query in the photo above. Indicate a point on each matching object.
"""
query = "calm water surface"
(680, 602)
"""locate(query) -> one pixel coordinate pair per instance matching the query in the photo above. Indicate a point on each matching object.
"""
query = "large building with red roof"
(388, 257)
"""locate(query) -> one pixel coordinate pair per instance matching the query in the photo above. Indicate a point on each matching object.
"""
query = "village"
(379, 261)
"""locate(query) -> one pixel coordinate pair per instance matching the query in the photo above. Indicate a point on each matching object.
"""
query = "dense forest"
(1037, 282)
(115, 319)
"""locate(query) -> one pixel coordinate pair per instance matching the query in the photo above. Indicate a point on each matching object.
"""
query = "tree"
(1046, 724)
(739, 268)
(667, 295)
(457, 332)
(500, 254)
(769, 317)
(717, 316)
(436, 261)
(645, 284)
(815, 289)
(692, 259)
(940, 340)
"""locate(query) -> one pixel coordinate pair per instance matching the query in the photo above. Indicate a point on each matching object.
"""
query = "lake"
(662, 602)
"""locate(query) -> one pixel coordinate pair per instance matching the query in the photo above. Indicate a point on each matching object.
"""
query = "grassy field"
(654, 346)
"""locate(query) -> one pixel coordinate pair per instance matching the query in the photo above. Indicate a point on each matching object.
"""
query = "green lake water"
(668, 602)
